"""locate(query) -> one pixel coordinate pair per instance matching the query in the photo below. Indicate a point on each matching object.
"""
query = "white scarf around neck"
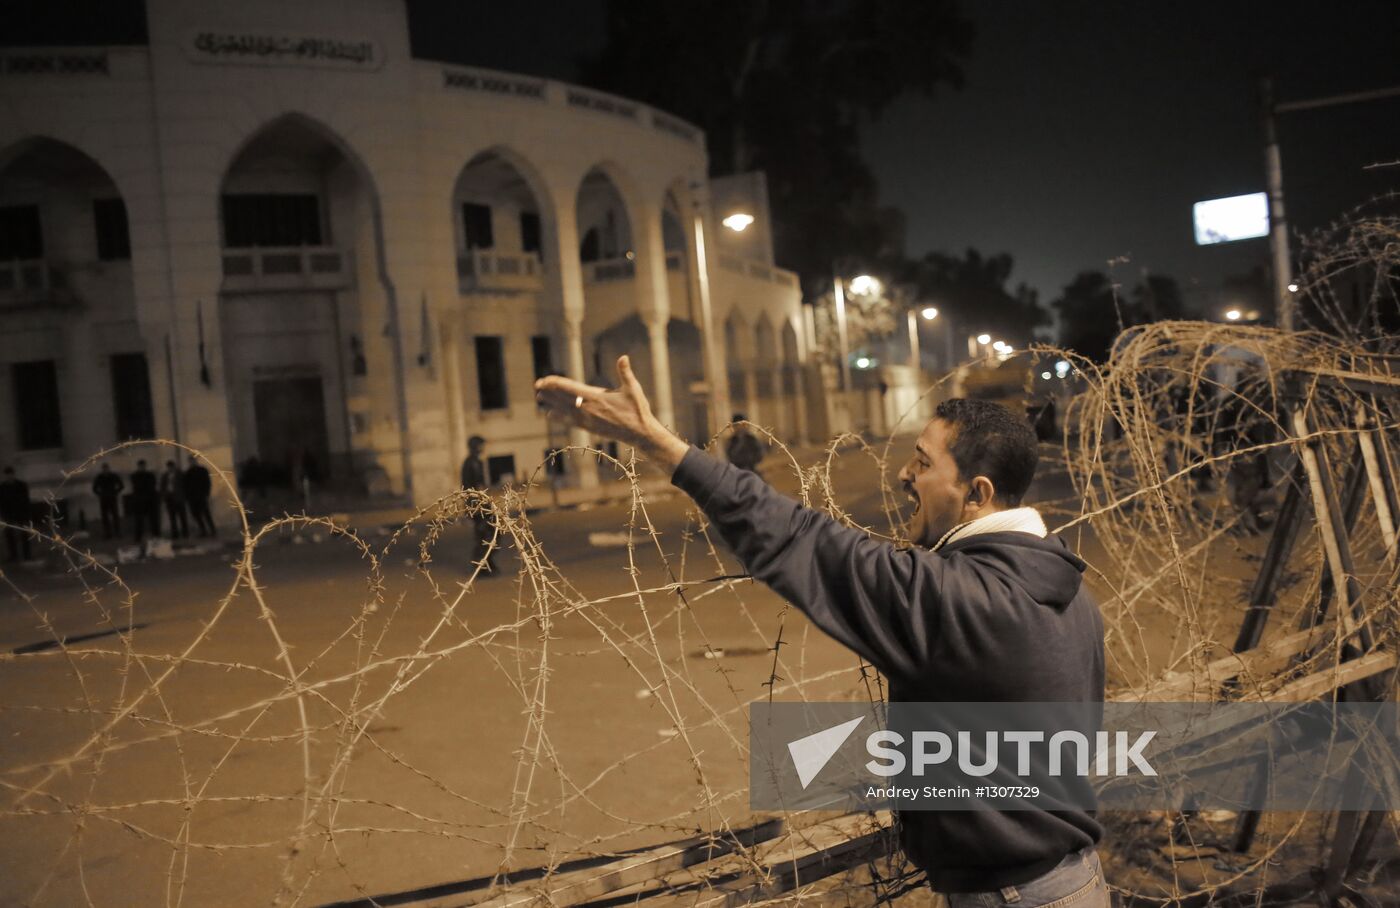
(1012, 520)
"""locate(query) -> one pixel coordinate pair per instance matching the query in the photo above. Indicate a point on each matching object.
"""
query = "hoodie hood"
(1045, 568)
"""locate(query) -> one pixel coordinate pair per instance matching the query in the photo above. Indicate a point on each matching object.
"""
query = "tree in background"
(1093, 310)
(972, 290)
(1157, 299)
(782, 86)
(1091, 315)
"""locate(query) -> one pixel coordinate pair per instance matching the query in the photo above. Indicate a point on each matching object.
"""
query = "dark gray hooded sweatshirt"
(992, 617)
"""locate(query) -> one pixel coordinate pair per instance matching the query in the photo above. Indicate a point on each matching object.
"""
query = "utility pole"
(1278, 226)
(1273, 166)
(840, 293)
(914, 343)
(712, 354)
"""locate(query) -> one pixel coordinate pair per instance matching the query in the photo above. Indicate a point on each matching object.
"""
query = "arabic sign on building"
(282, 49)
(60, 63)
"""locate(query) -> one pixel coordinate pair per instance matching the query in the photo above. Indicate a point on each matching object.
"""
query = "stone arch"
(603, 207)
(69, 330)
(517, 180)
(300, 218)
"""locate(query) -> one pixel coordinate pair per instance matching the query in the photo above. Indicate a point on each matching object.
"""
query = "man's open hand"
(622, 414)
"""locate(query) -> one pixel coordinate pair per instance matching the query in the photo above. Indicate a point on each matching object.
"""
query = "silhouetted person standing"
(172, 495)
(197, 487)
(145, 501)
(474, 477)
(744, 450)
(16, 511)
(108, 488)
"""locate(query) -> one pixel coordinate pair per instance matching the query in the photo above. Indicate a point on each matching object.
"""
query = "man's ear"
(981, 492)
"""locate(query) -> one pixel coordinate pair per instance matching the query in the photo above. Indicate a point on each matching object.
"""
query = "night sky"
(1086, 130)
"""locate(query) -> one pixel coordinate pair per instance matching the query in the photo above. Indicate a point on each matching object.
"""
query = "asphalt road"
(436, 732)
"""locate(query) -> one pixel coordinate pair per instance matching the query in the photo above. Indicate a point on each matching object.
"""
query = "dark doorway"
(291, 419)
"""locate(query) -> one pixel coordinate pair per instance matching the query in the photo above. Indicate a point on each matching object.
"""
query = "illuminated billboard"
(1239, 217)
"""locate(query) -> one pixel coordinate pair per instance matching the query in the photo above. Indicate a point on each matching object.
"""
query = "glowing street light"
(1062, 368)
(1045, 375)
(984, 338)
(865, 285)
(1292, 288)
(863, 362)
(929, 313)
(738, 222)
(1001, 347)
(1233, 315)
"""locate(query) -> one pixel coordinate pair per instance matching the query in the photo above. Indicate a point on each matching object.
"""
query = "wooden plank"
(1263, 661)
(576, 887)
(798, 859)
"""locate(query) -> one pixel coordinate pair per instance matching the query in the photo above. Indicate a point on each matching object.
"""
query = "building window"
(531, 239)
(113, 239)
(499, 468)
(543, 356)
(271, 219)
(20, 236)
(588, 249)
(36, 405)
(491, 372)
(131, 397)
(476, 226)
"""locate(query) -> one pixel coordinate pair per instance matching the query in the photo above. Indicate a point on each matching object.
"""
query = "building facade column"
(566, 276)
(781, 415)
(753, 406)
(699, 269)
(579, 438)
(660, 369)
(654, 303)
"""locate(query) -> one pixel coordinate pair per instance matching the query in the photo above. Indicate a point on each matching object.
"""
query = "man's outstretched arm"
(876, 599)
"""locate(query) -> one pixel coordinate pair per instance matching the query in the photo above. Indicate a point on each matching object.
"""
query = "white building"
(271, 232)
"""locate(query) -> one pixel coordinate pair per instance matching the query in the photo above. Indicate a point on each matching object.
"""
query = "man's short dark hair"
(476, 441)
(989, 440)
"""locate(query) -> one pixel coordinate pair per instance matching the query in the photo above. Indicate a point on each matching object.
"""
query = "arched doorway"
(312, 384)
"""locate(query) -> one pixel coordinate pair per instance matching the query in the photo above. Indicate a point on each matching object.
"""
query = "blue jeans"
(1076, 882)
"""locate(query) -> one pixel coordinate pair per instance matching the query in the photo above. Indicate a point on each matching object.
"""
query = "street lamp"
(865, 285)
(738, 222)
(861, 285)
(1233, 315)
(984, 339)
(929, 313)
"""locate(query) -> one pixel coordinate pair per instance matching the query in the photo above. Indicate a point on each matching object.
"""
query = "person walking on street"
(744, 450)
(198, 486)
(108, 488)
(145, 501)
(172, 495)
(16, 512)
(474, 477)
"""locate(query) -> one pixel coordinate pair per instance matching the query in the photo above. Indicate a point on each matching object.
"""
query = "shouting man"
(987, 606)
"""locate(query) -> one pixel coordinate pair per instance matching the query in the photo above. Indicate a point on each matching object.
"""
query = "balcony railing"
(610, 270)
(758, 270)
(286, 268)
(24, 281)
(486, 270)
